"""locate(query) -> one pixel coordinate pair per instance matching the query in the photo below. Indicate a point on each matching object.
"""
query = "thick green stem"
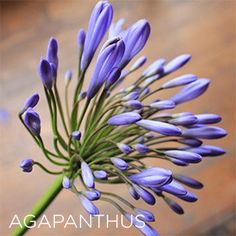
(39, 207)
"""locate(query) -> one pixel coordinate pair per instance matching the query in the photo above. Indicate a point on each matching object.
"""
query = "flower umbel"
(104, 135)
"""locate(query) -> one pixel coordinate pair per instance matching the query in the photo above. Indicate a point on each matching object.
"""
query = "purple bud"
(208, 150)
(152, 177)
(145, 195)
(52, 52)
(179, 81)
(160, 127)
(145, 215)
(93, 195)
(81, 38)
(184, 155)
(108, 58)
(140, 139)
(116, 28)
(54, 72)
(150, 80)
(190, 142)
(184, 120)
(99, 23)
(66, 183)
(191, 91)
(138, 63)
(176, 63)
(124, 119)
(68, 76)
(76, 135)
(119, 163)
(113, 77)
(146, 91)
(174, 188)
(208, 118)
(141, 148)
(83, 95)
(155, 68)
(124, 148)
(174, 206)
(143, 227)
(100, 174)
(205, 132)
(188, 197)
(87, 175)
(131, 96)
(46, 74)
(32, 121)
(133, 193)
(134, 104)
(27, 165)
(190, 182)
(88, 205)
(149, 136)
(135, 38)
(178, 162)
(31, 102)
(163, 105)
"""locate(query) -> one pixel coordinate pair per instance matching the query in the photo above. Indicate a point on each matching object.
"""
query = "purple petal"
(87, 175)
(124, 119)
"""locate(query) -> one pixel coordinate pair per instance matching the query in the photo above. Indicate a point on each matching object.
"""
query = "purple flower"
(155, 68)
(176, 63)
(76, 135)
(66, 183)
(81, 38)
(46, 74)
(190, 182)
(174, 188)
(52, 52)
(83, 95)
(208, 150)
(145, 215)
(174, 206)
(178, 162)
(113, 77)
(32, 121)
(191, 91)
(205, 132)
(124, 119)
(131, 96)
(138, 63)
(99, 23)
(108, 58)
(100, 174)
(134, 104)
(184, 120)
(145, 195)
(143, 227)
(133, 193)
(135, 38)
(124, 148)
(88, 205)
(27, 165)
(119, 163)
(141, 148)
(208, 118)
(191, 142)
(188, 197)
(188, 157)
(163, 105)
(159, 127)
(93, 195)
(87, 175)
(68, 76)
(116, 28)
(31, 102)
(179, 81)
(152, 177)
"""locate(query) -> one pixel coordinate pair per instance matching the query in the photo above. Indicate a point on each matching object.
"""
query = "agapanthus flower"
(121, 128)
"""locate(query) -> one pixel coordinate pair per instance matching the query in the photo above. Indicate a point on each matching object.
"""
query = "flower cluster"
(109, 132)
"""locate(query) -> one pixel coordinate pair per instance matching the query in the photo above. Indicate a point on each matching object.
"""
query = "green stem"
(39, 207)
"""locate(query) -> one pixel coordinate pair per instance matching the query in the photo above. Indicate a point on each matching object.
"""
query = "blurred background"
(204, 28)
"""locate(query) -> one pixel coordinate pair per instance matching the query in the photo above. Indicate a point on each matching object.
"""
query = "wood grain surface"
(203, 28)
